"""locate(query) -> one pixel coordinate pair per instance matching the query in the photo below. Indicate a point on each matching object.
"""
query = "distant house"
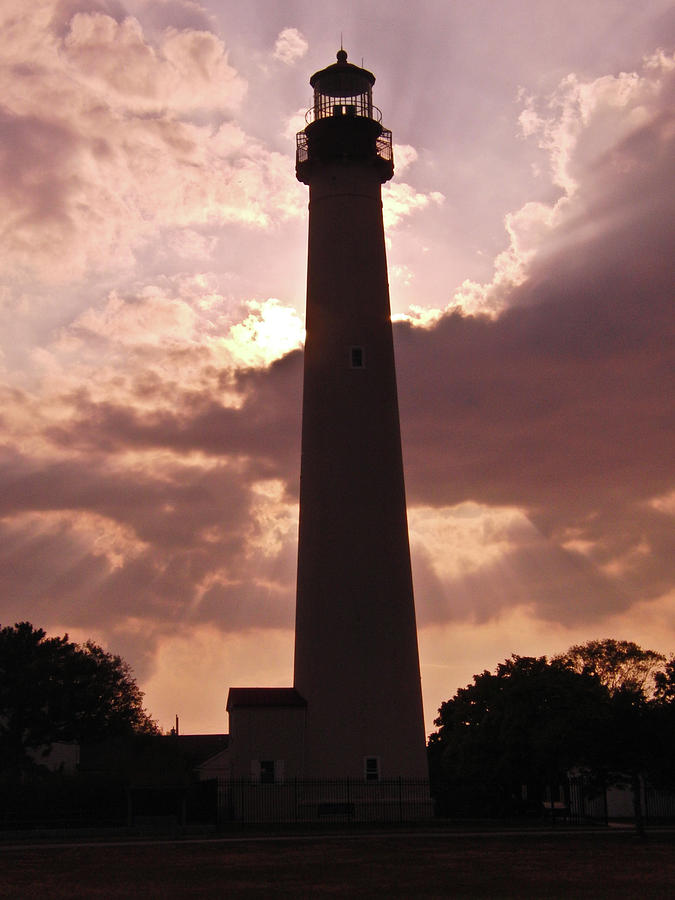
(167, 780)
(156, 759)
(60, 756)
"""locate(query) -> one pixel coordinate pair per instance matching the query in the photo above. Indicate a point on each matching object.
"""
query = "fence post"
(400, 799)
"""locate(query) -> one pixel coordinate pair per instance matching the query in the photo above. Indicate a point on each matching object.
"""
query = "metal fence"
(81, 801)
(659, 804)
(590, 802)
(337, 801)
(587, 803)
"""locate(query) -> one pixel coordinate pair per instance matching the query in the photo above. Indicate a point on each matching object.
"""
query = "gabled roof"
(242, 697)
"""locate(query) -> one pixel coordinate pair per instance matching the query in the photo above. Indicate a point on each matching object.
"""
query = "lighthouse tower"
(356, 657)
(347, 740)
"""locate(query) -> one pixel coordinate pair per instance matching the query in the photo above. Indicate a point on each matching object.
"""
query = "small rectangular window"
(358, 358)
(371, 766)
(267, 771)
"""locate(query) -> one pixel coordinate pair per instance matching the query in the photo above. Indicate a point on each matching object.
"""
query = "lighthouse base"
(336, 801)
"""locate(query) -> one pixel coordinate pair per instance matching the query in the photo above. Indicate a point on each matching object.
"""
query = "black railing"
(301, 149)
(586, 801)
(62, 802)
(343, 106)
(659, 804)
(336, 801)
(383, 147)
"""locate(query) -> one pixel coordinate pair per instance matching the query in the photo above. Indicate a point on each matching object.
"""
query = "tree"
(52, 689)
(664, 683)
(620, 665)
(525, 725)
(606, 707)
(640, 743)
(663, 716)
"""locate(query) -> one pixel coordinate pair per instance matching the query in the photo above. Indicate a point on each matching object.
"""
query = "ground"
(566, 864)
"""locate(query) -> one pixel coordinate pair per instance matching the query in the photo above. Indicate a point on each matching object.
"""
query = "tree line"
(52, 689)
(605, 709)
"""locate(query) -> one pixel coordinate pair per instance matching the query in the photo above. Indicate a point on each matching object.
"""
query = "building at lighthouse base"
(265, 779)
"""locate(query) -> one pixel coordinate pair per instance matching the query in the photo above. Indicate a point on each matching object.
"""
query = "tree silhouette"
(664, 683)
(620, 665)
(52, 689)
(640, 742)
(525, 725)
(605, 707)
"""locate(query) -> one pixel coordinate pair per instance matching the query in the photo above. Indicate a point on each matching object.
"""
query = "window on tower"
(267, 771)
(371, 767)
(358, 358)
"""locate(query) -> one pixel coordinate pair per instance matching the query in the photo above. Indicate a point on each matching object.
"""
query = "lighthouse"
(356, 657)
(353, 721)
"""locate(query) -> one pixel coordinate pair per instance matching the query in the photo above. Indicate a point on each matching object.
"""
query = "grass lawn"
(566, 865)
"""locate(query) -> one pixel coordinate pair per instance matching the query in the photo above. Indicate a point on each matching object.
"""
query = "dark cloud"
(247, 602)
(560, 407)
(557, 586)
(178, 14)
(181, 526)
(36, 177)
(264, 432)
(64, 10)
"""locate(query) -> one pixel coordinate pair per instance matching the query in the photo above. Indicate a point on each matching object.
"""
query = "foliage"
(52, 689)
(664, 683)
(527, 724)
(620, 665)
(605, 707)
(641, 739)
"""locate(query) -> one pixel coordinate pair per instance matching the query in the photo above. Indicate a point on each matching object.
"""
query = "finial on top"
(342, 56)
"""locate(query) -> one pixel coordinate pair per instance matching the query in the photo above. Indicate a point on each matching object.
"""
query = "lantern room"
(343, 125)
(343, 90)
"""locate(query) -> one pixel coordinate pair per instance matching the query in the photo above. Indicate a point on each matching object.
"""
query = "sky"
(152, 277)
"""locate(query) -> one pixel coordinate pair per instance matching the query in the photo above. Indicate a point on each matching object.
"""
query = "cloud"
(404, 156)
(582, 120)
(290, 46)
(178, 14)
(268, 332)
(186, 70)
(112, 525)
(558, 406)
(295, 123)
(193, 670)
(157, 541)
(400, 200)
(116, 136)
(149, 466)
(592, 133)
(110, 136)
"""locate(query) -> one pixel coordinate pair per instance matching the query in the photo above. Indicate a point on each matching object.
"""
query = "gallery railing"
(383, 146)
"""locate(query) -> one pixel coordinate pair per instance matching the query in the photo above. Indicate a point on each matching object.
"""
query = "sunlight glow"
(267, 333)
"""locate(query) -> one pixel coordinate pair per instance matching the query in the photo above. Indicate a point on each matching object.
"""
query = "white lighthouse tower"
(354, 714)
(356, 658)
